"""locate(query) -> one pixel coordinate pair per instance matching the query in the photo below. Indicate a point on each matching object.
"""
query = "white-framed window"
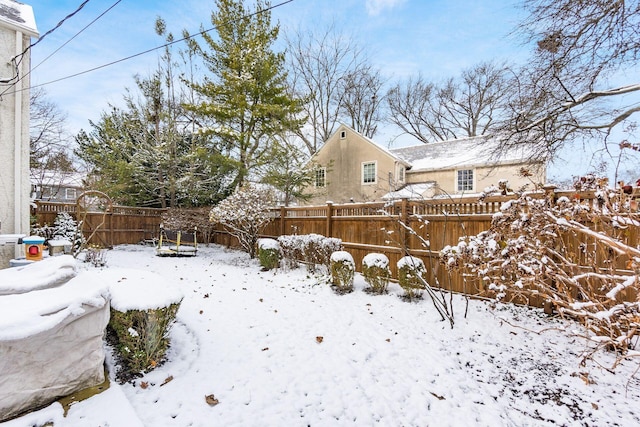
(464, 180)
(401, 172)
(369, 172)
(321, 177)
(70, 193)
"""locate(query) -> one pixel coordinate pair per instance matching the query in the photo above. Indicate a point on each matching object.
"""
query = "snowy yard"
(282, 349)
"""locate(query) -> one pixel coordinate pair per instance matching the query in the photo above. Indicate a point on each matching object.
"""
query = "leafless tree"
(50, 160)
(363, 99)
(578, 82)
(48, 136)
(467, 106)
(331, 72)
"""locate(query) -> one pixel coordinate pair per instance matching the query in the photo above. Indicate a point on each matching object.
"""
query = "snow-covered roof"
(57, 178)
(456, 153)
(18, 16)
(411, 191)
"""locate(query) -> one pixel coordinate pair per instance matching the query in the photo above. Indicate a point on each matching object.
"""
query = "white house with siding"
(17, 27)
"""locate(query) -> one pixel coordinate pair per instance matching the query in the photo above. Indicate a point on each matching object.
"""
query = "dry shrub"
(343, 270)
(313, 249)
(411, 271)
(376, 272)
(566, 253)
(189, 220)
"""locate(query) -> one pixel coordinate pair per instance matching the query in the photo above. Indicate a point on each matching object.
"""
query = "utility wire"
(74, 36)
(58, 49)
(56, 27)
(18, 58)
(150, 50)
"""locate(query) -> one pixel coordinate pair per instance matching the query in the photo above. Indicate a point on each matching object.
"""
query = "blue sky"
(437, 38)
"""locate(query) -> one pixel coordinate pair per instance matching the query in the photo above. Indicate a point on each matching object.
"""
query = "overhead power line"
(57, 26)
(19, 78)
(151, 49)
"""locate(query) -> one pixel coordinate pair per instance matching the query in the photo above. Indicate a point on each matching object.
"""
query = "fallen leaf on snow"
(169, 378)
(319, 339)
(211, 400)
(437, 396)
(144, 385)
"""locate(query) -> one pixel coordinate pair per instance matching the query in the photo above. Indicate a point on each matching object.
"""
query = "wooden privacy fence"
(116, 225)
(363, 227)
(378, 227)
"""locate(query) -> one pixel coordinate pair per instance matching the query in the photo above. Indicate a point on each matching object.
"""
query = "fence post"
(283, 213)
(329, 221)
(404, 219)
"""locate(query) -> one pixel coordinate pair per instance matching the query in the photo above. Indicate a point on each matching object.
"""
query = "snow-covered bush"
(245, 214)
(291, 249)
(411, 271)
(565, 253)
(143, 308)
(64, 228)
(312, 249)
(376, 272)
(140, 336)
(343, 270)
(268, 253)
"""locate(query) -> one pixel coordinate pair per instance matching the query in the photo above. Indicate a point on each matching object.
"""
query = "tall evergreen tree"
(148, 153)
(245, 100)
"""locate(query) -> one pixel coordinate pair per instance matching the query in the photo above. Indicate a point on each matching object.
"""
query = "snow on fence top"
(139, 290)
(48, 273)
(27, 314)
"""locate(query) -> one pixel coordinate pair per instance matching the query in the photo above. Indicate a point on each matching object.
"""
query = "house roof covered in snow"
(410, 191)
(57, 178)
(456, 153)
(18, 16)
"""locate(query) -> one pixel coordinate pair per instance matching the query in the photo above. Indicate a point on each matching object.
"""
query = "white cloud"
(374, 7)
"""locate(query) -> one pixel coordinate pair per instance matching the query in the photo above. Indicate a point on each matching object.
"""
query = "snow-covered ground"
(283, 349)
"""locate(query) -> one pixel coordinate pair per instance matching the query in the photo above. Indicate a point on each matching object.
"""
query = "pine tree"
(66, 228)
(246, 98)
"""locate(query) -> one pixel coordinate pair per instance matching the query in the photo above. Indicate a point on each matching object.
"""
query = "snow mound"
(133, 289)
(27, 314)
(48, 273)
(51, 343)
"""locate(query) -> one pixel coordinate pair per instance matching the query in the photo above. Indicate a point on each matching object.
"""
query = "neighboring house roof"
(18, 16)
(457, 153)
(411, 191)
(57, 178)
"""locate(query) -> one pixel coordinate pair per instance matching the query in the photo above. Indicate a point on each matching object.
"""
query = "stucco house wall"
(17, 26)
(483, 177)
(419, 171)
(343, 157)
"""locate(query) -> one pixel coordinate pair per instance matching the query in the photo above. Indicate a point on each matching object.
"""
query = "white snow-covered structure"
(17, 27)
(51, 333)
